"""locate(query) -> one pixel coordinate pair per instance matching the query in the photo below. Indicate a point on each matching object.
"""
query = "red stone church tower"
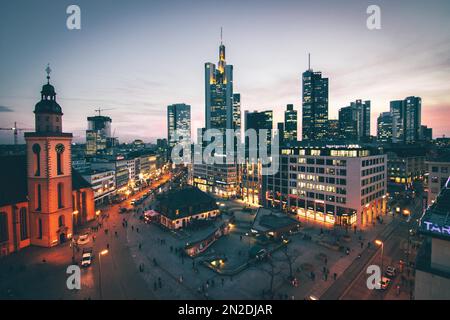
(49, 173)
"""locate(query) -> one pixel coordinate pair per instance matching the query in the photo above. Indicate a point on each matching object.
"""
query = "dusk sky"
(136, 57)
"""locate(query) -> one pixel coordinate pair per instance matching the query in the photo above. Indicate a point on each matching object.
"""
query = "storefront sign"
(432, 227)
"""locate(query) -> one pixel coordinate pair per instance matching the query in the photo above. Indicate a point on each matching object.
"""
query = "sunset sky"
(136, 57)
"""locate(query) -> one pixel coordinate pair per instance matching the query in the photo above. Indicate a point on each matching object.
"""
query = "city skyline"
(268, 77)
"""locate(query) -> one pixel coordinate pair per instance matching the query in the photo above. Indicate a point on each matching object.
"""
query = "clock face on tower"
(59, 148)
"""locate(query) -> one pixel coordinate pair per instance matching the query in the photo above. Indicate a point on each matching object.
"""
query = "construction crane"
(15, 130)
(99, 110)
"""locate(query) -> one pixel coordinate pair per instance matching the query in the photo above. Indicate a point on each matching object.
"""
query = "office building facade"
(336, 184)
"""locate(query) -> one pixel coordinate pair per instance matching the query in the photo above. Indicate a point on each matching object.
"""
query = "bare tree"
(290, 258)
(272, 271)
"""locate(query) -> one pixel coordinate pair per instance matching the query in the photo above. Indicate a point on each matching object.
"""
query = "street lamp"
(74, 214)
(101, 253)
(381, 243)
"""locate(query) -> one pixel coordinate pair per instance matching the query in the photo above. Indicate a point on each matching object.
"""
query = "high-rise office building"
(290, 124)
(98, 135)
(396, 110)
(222, 112)
(348, 124)
(412, 119)
(354, 121)
(259, 120)
(333, 129)
(178, 124)
(384, 127)
(406, 120)
(315, 105)
(237, 111)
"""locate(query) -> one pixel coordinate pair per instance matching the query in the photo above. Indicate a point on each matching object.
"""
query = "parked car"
(384, 283)
(390, 271)
(261, 254)
(86, 258)
(83, 239)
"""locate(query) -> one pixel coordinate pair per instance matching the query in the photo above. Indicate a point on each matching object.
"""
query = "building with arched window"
(39, 192)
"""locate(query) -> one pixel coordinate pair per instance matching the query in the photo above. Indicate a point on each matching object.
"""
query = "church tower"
(49, 173)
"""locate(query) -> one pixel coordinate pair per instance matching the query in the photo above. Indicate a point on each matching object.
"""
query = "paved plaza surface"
(145, 261)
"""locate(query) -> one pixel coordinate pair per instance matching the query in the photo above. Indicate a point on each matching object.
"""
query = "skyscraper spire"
(221, 65)
(309, 61)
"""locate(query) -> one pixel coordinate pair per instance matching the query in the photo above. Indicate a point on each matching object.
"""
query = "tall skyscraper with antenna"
(222, 112)
(314, 104)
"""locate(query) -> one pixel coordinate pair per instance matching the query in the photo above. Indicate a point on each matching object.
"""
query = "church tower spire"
(49, 173)
(48, 113)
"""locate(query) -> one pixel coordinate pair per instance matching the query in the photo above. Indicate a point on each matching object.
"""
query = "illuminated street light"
(381, 243)
(101, 253)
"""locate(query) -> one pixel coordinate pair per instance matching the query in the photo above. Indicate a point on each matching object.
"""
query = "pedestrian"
(223, 282)
(132, 228)
(335, 276)
(326, 261)
(362, 244)
(137, 230)
(140, 246)
(107, 246)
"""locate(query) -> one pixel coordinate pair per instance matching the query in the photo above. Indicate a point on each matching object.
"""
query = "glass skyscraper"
(290, 124)
(384, 127)
(406, 120)
(222, 112)
(354, 121)
(315, 106)
(178, 124)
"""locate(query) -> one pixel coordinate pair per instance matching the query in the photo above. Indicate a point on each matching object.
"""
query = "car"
(133, 202)
(83, 239)
(86, 258)
(261, 254)
(390, 271)
(384, 283)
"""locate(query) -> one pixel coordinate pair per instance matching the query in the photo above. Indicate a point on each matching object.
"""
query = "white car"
(83, 239)
(384, 283)
(390, 271)
(86, 259)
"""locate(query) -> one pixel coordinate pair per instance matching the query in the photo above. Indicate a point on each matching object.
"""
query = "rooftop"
(267, 220)
(185, 202)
